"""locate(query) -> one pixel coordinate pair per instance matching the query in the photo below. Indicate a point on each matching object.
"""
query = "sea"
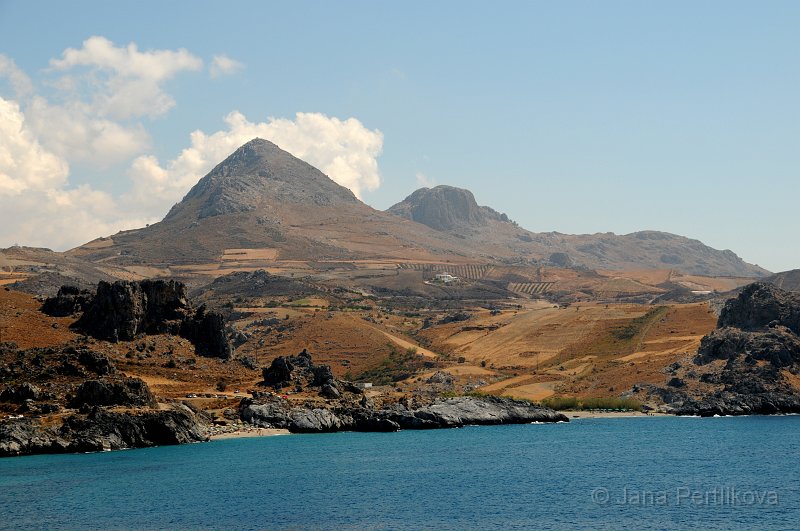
(602, 473)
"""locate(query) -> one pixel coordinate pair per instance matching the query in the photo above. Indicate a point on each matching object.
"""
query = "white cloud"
(345, 150)
(19, 80)
(222, 65)
(128, 81)
(38, 207)
(91, 112)
(24, 164)
(423, 181)
(73, 131)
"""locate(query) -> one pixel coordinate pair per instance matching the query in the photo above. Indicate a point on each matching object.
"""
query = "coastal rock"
(442, 413)
(756, 338)
(103, 430)
(760, 305)
(130, 392)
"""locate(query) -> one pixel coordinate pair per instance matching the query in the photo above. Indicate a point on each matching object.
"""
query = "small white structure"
(364, 385)
(445, 277)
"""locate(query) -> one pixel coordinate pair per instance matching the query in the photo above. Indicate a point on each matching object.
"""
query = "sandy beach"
(254, 432)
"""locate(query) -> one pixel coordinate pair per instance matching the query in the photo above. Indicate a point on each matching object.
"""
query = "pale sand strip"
(254, 432)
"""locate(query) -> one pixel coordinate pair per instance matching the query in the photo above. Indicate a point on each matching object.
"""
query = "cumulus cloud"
(72, 130)
(19, 80)
(222, 65)
(345, 150)
(129, 81)
(38, 207)
(24, 164)
(93, 111)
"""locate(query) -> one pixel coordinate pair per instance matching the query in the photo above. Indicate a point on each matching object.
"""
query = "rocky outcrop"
(124, 310)
(68, 301)
(130, 392)
(18, 394)
(441, 413)
(300, 372)
(749, 363)
(206, 330)
(762, 305)
(103, 430)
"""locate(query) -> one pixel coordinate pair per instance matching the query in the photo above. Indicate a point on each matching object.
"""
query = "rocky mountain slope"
(786, 280)
(262, 199)
(455, 211)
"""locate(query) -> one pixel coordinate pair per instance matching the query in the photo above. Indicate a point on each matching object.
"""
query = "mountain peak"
(260, 173)
(445, 208)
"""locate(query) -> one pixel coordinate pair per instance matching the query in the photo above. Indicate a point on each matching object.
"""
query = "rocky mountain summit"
(749, 364)
(255, 174)
(454, 211)
(445, 208)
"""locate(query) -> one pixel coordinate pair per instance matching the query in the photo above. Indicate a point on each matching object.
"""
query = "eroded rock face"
(760, 305)
(103, 430)
(441, 413)
(123, 310)
(300, 371)
(131, 392)
(18, 394)
(757, 339)
(68, 301)
(206, 330)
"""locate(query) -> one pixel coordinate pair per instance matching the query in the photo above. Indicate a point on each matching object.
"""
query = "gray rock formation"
(103, 430)
(301, 372)
(124, 310)
(68, 301)
(131, 392)
(757, 339)
(441, 413)
(445, 208)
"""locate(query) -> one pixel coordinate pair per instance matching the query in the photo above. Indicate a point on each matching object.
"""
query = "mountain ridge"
(262, 197)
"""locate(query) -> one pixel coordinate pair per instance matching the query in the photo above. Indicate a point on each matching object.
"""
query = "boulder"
(18, 394)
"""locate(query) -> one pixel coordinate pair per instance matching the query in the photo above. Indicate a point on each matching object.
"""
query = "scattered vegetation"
(399, 365)
(592, 404)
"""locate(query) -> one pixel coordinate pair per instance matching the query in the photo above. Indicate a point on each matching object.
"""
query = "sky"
(576, 117)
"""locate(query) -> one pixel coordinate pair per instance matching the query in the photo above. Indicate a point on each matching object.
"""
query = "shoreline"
(249, 432)
(578, 414)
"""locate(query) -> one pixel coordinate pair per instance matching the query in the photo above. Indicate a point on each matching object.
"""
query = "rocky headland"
(750, 364)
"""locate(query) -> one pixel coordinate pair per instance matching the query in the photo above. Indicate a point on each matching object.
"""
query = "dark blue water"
(664, 473)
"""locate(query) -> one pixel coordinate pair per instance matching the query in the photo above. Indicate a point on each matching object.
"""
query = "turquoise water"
(665, 473)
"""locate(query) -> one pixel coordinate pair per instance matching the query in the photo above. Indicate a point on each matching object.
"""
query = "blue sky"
(577, 117)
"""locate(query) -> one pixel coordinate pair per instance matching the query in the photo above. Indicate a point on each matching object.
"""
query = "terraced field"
(530, 288)
(466, 271)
